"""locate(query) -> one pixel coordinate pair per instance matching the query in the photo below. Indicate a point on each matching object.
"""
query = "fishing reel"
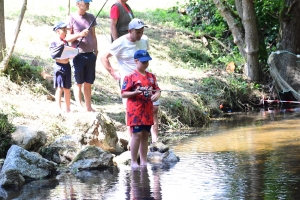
(146, 92)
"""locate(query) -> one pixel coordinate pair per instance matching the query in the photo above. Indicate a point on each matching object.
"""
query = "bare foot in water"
(134, 165)
(143, 164)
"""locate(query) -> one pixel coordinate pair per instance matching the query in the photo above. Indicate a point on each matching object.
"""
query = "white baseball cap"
(136, 24)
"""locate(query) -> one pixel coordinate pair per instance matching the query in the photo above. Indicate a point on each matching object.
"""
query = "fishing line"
(104, 33)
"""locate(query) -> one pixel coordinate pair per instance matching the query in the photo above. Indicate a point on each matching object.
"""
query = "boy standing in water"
(62, 68)
(141, 89)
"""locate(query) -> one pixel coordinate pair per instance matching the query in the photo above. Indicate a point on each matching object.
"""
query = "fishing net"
(285, 71)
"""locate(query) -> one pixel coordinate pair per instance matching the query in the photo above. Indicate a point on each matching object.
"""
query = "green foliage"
(6, 128)
(206, 18)
(238, 60)
(183, 111)
(20, 71)
(169, 18)
(267, 14)
(231, 88)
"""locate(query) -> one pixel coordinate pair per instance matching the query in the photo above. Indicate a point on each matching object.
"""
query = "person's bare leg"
(154, 127)
(87, 91)
(77, 95)
(67, 95)
(58, 94)
(128, 127)
(134, 147)
(144, 147)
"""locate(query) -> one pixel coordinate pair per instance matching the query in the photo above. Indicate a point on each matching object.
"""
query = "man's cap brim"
(142, 26)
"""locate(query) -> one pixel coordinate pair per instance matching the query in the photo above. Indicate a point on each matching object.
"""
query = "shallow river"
(253, 156)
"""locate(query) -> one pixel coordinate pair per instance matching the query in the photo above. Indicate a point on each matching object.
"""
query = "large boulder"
(124, 158)
(29, 138)
(159, 146)
(90, 158)
(102, 133)
(63, 150)
(166, 157)
(29, 164)
(11, 178)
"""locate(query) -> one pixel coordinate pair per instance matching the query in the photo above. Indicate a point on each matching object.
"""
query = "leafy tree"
(244, 30)
(238, 20)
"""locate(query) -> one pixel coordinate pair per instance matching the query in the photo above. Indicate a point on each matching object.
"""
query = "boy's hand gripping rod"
(92, 22)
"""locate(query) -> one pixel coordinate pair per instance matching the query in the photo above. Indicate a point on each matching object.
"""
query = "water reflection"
(257, 161)
(140, 185)
(251, 156)
(39, 189)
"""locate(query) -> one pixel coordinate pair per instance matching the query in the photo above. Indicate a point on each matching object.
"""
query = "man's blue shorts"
(62, 75)
(136, 129)
(85, 68)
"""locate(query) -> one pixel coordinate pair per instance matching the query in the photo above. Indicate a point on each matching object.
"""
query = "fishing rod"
(92, 22)
(192, 92)
(169, 91)
(280, 101)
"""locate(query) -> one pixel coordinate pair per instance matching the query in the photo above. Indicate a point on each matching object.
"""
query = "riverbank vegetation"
(6, 128)
(195, 60)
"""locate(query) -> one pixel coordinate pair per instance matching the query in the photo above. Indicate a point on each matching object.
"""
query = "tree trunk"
(251, 69)
(239, 7)
(245, 35)
(4, 64)
(2, 31)
(289, 43)
(237, 31)
(290, 27)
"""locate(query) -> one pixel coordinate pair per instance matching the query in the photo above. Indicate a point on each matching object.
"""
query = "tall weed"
(6, 128)
(20, 71)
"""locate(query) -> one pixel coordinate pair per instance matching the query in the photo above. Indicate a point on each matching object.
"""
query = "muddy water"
(253, 156)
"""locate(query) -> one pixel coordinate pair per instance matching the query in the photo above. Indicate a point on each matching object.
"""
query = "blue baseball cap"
(85, 1)
(59, 25)
(142, 55)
